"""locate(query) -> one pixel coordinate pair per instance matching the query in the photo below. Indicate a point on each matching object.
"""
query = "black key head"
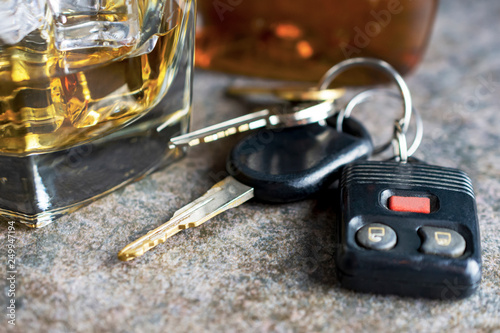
(291, 164)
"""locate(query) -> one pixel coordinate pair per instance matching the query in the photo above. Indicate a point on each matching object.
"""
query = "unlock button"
(377, 236)
(441, 241)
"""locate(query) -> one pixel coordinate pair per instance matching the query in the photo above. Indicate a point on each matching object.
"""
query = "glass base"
(35, 190)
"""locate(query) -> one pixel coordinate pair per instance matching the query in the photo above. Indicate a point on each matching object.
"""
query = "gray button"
(442, 242)
(377, 236)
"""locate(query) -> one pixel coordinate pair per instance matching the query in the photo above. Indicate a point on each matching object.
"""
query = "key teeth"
(132, 252)
(125, 256)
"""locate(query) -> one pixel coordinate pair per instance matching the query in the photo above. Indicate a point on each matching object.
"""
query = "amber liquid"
(301, 39)
(51, 99)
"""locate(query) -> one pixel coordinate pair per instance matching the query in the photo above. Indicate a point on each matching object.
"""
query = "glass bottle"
(301, 39)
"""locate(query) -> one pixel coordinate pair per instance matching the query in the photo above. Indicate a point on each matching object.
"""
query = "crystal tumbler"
(90, 93)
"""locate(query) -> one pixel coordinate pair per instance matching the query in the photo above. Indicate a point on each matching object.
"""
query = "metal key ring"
(368, 94)
(376, 64)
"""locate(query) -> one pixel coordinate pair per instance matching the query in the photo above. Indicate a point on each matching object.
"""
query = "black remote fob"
(409, 229)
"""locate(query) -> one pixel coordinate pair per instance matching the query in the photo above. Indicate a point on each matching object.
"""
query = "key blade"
(228, 193)
(208, 134)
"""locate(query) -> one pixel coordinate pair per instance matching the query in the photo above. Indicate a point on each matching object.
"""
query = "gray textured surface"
(261, 267)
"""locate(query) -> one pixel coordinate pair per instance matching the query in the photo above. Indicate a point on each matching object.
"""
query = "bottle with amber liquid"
(301, 39)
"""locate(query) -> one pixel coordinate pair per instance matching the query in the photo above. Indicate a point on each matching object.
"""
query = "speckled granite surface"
(261, 267)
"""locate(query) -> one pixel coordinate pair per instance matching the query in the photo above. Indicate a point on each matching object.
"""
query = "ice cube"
(145, 47)
(81, 24)
(20, 17)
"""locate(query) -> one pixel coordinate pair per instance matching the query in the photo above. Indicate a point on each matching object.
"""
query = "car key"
(278, 117)
(409, 229)
(274, 166)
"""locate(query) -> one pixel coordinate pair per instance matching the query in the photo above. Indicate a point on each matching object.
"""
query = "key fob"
(408, 229)
(291, 164)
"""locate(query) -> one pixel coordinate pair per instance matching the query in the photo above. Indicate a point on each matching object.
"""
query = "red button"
(410, 204)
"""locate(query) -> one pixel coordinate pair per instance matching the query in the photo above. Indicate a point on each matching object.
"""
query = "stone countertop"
(267, 267)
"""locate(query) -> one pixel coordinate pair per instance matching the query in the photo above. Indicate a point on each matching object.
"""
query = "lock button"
(409, 204)
(442, 242)
(377, 236)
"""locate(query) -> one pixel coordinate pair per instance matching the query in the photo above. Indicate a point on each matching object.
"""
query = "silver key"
(270, 118)
(226, 194)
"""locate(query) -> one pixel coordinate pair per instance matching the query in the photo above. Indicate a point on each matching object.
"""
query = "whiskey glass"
(91, 91)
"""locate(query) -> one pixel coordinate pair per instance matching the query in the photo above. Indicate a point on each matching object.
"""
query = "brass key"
(292, 93)
(224, 195)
